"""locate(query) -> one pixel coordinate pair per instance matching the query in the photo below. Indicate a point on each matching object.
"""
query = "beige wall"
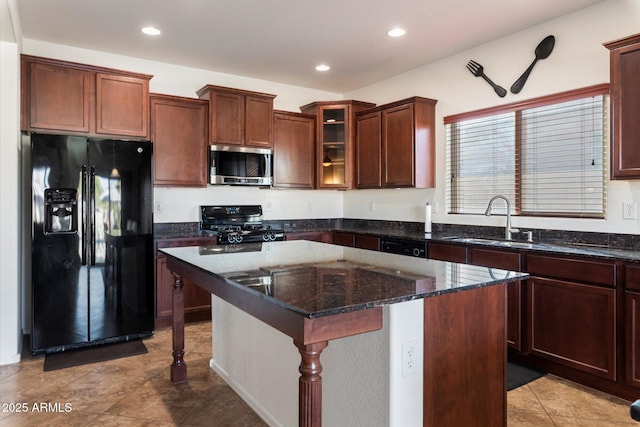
(9, 187)
(579, 59)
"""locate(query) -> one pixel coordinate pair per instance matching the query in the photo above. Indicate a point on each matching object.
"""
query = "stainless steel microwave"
(233, 165)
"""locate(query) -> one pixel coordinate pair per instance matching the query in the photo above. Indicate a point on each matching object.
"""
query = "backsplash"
(604, 240)
(174, 230)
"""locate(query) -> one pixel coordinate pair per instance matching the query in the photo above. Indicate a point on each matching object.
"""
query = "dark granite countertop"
(550, 246)
(584, 250)
(596, 245)
(319, 279)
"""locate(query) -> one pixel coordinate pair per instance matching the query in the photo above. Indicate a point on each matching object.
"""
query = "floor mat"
(519, 375)
(67, 359)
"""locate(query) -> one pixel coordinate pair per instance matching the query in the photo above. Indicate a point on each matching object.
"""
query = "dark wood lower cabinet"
(197, 301)
(344, 239)
(367, 242)
(575, 317)
(573, 325)
(444, 252)
(356, 240)
(505, 260)
(632, 338)
(514, 315)
(314, 236)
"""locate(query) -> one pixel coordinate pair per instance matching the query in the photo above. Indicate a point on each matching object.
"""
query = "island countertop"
(317, 279)
(316, 292)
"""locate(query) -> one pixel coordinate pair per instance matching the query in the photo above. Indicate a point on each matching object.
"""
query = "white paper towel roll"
(427, 218)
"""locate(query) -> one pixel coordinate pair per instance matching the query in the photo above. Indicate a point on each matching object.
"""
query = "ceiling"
(283, 40)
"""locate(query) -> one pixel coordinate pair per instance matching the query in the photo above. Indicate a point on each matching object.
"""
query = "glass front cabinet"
(335, 141)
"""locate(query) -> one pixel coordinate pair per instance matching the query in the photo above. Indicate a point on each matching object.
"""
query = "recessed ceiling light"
(396, 32)
(150, 31)
(322, 67)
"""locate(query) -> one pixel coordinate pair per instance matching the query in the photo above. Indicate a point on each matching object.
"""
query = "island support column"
(310, 384)
(465, 358)
(178, 367)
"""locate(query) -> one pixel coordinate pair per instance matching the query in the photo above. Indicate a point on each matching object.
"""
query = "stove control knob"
(416, 252)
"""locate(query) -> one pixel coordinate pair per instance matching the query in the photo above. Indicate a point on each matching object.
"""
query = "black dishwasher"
(400, 246)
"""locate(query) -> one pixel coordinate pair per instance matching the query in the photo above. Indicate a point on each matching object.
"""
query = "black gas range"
(237, 224)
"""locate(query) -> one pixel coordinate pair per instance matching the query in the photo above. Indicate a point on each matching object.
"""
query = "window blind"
(563, 152)
(482, 162)
(547, 156)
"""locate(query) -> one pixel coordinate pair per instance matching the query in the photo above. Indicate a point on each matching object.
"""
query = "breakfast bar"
(315, 293)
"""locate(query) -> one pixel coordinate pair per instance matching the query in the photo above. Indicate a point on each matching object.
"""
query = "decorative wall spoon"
(543, 50)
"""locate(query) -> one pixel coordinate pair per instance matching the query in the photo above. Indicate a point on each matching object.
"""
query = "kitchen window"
(546, 155)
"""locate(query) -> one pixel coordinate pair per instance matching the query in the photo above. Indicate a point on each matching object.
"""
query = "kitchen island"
(315, 293)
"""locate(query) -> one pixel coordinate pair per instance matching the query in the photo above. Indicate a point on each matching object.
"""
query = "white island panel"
(360, 385)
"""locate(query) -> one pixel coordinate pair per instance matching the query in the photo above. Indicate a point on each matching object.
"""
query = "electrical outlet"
(410, 355)
(372, 206)
(629, 210)
(158, 207)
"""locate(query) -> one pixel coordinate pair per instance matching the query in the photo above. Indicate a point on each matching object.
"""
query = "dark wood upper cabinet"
(58, 98)
(368, 151)
(239, 117)
(73, 98)
(259, 120)
(407, 144)
(180, 140)
(293, 150)
(398, 166)
(625, 107)
(335, 136)
(122, 105)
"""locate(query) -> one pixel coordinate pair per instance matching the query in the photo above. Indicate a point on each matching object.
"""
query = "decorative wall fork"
(478, 71)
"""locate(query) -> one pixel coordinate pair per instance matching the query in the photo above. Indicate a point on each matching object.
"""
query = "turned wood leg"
(178, 367)
(310, 384)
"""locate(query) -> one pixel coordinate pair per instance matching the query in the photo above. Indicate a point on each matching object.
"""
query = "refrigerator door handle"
(83, 217)
(92, 209)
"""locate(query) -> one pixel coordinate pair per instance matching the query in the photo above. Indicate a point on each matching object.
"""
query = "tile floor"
(135, 391)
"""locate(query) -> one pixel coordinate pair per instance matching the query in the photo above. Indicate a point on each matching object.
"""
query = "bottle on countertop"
(427, 218)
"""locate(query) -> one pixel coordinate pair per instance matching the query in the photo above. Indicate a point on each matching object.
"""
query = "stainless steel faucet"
(507, 230)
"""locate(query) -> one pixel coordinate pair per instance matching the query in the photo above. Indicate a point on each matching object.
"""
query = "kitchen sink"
(494, 242)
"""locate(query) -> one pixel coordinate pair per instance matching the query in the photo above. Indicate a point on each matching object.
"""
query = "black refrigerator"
(92, 241)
